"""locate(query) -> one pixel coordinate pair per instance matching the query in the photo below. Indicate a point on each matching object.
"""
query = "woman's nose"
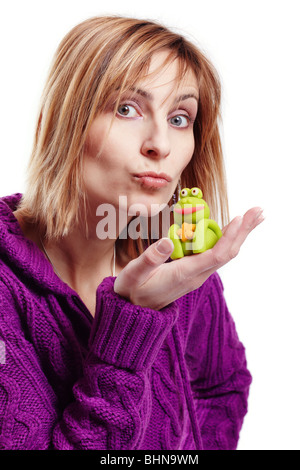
(156, 143)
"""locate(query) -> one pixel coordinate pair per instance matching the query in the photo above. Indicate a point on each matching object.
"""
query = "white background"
(255, 47)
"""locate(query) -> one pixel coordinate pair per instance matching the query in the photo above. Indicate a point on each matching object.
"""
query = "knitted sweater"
(128, 378)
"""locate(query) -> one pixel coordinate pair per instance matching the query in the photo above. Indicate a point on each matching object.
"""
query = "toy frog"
(193, 230)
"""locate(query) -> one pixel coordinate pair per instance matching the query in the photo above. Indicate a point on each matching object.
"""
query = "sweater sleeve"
(219, 376)
(111, 399)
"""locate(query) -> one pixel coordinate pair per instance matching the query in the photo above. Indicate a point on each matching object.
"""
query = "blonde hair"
(96, 58)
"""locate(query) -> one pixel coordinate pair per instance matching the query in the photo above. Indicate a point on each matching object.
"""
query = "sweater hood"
(21, 255)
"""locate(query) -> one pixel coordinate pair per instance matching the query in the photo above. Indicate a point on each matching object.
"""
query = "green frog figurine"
(193, 230)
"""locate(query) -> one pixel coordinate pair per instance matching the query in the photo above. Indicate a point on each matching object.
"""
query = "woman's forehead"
(166, 70)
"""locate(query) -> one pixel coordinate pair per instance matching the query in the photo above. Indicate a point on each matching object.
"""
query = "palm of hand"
(150, 282)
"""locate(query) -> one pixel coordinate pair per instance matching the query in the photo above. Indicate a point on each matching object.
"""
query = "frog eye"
(184, 192)
(196, 192)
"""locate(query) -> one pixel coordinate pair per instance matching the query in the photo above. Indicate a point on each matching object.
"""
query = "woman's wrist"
(127, 335)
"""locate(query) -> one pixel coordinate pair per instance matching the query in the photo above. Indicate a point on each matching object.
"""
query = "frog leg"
(213, 234)
(172, 234)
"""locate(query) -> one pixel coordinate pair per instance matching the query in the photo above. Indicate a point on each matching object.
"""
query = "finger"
(197, 268)
(147, 263)
(224, 229)
(223, 251)
(192, 269)
(229, 245)
(251, 220)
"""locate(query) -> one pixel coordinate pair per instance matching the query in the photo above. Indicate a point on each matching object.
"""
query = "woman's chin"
(146, 205)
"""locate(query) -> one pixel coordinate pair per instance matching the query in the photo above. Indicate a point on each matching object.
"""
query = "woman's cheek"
(187, 151)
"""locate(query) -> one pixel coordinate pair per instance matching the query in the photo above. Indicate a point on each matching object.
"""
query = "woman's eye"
(127, 110)
(180, 121)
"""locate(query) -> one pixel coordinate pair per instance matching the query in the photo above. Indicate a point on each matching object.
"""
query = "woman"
(107, 346)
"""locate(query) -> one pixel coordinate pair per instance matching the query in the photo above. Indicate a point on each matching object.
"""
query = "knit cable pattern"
(129, 378)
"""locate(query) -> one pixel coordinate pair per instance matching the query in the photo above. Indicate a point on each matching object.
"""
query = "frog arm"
(172, 234)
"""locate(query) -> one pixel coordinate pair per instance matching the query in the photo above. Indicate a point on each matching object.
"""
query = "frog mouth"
(189, 210)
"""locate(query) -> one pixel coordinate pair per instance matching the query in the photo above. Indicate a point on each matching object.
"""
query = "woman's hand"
(150, 282)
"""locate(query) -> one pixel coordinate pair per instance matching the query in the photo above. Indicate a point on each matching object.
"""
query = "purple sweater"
(129, 378)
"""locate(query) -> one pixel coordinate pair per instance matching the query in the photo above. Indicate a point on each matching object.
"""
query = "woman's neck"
(79, 261)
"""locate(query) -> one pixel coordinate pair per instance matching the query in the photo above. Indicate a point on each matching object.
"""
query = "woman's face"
(144, 150)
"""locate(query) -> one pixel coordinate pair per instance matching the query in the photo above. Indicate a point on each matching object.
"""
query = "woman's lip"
(151, 179)
(153, 174)
(151, 182)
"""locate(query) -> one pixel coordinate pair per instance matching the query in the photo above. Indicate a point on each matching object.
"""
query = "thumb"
(164, 247)
(152, 258)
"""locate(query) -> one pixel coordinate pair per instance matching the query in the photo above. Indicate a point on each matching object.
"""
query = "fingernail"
(165, 246)
(261, 217)
(259, 213)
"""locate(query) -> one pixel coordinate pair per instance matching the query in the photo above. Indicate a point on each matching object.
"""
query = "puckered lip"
(189, 210)
(153, 174)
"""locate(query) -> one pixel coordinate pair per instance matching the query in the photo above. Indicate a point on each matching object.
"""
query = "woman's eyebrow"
(186, 97)
(149, 96)
(143, 93)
